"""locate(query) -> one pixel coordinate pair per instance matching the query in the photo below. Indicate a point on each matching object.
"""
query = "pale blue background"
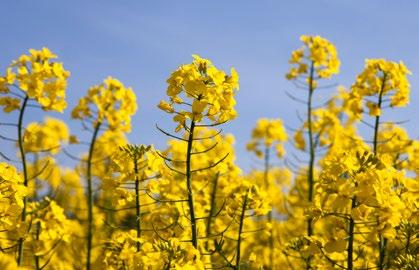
(141, 42)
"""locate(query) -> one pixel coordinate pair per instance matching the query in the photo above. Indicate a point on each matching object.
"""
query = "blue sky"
(141, 42)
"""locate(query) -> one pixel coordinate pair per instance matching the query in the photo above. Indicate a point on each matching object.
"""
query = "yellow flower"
(48, 136)
(299, 139)
(10, 104)
(380, 78)
(268, 133)
(316, 53)
(335, 245)
(165, 106)
(40, 78)
(11, 196)
(8, 262)
(109, 102)
(208, 91)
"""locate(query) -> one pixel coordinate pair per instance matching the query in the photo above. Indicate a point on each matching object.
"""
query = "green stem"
(239, 240)
(311, 145)
(137, 203)
(310, 176)
(90, 195)
(212, 210)
(213, 204)
(189, 186)
(25, 173)
(377, 118)
(382, 241)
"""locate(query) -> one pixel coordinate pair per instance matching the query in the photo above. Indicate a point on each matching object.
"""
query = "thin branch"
(8, 124)
(212, 125)
(169, 159)
(211, 166)
(295, 98)
(170, 135)
(209, 137)
(9, 159)
(206, 150)
(41, 171)
(72, 156)
(8, 139)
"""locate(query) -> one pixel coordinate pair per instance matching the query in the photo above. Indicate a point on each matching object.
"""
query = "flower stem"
(377, 118)
(382, 241)
(310, 176)
(311, 145)
(25, 173)
(212, 209)
(90, 195)
(239, 240)
(213, 204)
(189, 186)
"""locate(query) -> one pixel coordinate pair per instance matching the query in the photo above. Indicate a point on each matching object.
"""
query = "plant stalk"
(382, 241)
(25, 173)
(310, 176)
(90, 195)
(239, 240)
(311, 145)
(189, 185)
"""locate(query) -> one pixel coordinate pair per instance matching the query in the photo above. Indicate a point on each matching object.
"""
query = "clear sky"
(142, 42)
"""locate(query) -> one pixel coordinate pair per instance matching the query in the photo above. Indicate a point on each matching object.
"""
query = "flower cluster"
(39, 78)
(109, 102)
(317, 56)
(268, 133)
(11, 195)
(380, 78)
(208, 91)
(48, 136)
(52, 226)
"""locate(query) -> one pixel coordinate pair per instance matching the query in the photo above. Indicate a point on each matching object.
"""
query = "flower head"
(109, 102)
(39, 77)
(209, 93)
(381, 77)
(316, 52)
(267, 133)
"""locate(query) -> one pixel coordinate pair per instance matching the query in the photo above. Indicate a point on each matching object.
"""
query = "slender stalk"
(310, 176)
(189, 185)
(213, 204)
(270, 214)
(25, 173)
(377, 118)
(311, 145)
(239, 240)
(351, 230)
(382, 241)
(90, 195)
(212, 210)
(137, 202)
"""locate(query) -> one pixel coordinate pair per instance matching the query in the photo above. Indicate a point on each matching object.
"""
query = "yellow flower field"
(350, 202)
